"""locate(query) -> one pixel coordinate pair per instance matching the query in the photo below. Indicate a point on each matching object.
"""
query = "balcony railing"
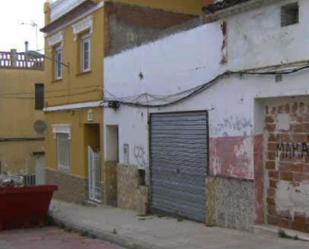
(21, 60)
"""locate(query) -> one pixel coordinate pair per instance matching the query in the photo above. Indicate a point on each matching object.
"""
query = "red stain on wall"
(259, 178)
(231, 157)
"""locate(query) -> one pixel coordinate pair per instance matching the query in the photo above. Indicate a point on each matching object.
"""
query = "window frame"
(63, 166)
(288, 9)
(85, 39)
(58, 73)
(39, 99)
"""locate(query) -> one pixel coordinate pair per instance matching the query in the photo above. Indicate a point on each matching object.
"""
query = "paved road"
(49, 238)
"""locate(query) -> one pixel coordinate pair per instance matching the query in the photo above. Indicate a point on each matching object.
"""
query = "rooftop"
(224, 4)
(23, 60)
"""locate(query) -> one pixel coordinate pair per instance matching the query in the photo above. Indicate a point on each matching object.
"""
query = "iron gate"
(179, 162)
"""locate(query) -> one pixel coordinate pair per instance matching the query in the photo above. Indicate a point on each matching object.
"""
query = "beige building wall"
(18, 138)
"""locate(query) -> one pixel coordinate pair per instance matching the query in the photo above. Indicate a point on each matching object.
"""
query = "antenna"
(34, 25)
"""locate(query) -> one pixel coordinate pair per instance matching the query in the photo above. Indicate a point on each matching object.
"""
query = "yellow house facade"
(79, 33)
(22, 123)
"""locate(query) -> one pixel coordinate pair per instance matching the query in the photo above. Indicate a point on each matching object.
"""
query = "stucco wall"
(256, 38)
(235, 103)
(18, 115)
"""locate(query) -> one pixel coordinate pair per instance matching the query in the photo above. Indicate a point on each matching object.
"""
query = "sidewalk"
(127, 229)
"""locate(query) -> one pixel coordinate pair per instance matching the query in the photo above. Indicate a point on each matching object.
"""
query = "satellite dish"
(39, 126)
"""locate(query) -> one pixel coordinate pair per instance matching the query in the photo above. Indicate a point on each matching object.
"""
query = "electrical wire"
(198, 89)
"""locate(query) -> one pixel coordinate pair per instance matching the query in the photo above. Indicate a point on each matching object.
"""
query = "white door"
(94, 175)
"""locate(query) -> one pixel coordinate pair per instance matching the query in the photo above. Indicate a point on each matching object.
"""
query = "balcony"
(14, 60)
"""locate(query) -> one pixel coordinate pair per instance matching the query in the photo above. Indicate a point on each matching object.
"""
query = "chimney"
(26, 46)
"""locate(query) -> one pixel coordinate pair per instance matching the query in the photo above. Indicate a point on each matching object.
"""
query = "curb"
(120, 240)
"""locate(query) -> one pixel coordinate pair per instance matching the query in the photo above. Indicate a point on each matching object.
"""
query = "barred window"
(63, 151)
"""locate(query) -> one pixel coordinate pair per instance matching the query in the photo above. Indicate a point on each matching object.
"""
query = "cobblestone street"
(49, 238)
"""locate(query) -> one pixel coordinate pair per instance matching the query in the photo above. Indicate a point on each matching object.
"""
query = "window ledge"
(83, 73)
(57, 80)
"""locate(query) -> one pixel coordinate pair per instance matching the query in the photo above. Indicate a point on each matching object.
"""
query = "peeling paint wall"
(236, 104)
(287, 162)
(261, 40)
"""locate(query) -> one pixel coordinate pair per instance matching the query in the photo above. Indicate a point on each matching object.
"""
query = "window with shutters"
(39, 96)
(85, 53)
(63, 151)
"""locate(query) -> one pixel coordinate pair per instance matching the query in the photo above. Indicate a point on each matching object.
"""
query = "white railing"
(20, 60)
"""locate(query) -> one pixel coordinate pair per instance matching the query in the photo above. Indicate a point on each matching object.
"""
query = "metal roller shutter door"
(179, 162)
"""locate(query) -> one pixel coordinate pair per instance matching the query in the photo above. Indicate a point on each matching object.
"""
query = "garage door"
(179, 162)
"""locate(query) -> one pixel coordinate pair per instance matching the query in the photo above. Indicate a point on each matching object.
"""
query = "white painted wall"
(256, 38)
(61, 7)
(193, 57)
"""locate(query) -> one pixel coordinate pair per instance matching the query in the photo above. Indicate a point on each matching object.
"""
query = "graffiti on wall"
(140, 155)
(292, 150)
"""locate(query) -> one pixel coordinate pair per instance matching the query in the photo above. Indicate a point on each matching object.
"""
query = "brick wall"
(287, 164)
(127, 26)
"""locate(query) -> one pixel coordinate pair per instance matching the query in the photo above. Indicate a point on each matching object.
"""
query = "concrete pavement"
(49, 238)
(129, 230)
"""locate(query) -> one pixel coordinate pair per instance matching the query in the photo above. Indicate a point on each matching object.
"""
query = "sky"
(13, 32)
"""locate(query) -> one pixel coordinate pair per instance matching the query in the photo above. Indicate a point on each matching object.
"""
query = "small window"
(39, 96)
(289, 14)
(85, 53)
(58, 63)
(63, 151)
(141, 177)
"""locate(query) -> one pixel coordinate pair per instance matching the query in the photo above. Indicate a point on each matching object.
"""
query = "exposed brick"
(271, 209)
(285, 214)
(287, 108)
(302, 107)
(273, 183)
(270, 165)
(297, 128)
(271, 155)
(294, 107)
(272, 220)
(270, 127)
(306, 168)
(305, 127)
(284, 137)
(299, 138)
(286, 176)
(270, 201)
(291, 167)
(272, 146)
(300, 177)
(269, 119)
(271, 192)
(299, 224)
(284, 223)
(273, 174)
(273, 137)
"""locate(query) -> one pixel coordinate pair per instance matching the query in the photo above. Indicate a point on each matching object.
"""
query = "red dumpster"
(25, 206)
